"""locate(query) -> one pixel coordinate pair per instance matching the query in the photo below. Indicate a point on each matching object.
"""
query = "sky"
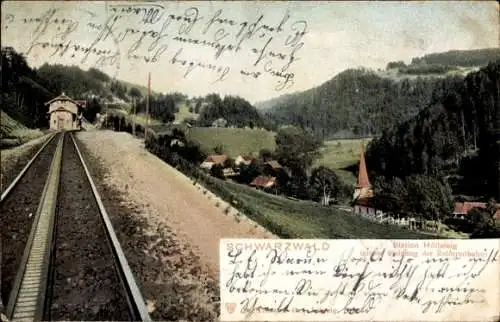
(293, 46)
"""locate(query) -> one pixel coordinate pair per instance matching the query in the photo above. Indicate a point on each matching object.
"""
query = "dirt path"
(168, 197)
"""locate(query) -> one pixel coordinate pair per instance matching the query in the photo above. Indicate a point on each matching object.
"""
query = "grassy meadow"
(338, 154)
(139, 118)
(184, 113)
(233, 141)
(305, 219)
(342, 153)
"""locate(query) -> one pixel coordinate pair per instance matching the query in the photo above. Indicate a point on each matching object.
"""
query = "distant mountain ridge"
(460, 58)
(362, 102)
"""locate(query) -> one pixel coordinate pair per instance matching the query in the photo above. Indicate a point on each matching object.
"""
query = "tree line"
(360, 103)
(440, 63)
(461, 58)
(355, 103)
(23, 90)
(456, 137)
(234, 110)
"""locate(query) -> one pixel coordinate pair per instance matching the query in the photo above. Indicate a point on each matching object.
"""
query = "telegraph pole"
(106, 117)
(147, 107)
(133, 116)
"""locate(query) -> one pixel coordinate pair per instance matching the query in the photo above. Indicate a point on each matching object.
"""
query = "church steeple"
(363, 181)
(363, 187)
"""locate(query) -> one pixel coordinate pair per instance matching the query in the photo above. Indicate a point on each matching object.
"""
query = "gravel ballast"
(171, 278)
(85, 284)
(17, 213)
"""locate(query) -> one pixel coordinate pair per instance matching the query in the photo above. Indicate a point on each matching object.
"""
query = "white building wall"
(64, 118)
(64, 104)
(207, 165)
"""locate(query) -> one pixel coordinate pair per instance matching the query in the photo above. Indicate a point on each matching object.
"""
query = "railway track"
(62, 260)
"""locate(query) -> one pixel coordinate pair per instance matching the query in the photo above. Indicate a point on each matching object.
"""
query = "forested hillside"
(362, 102)
(457, 137)
(356, 103)
(234, 110)
(450, 61)
(25, 90)
(460, 58)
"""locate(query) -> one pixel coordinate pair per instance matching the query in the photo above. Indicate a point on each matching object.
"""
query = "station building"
(65, 113)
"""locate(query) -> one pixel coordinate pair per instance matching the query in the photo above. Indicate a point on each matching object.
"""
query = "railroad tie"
(29, 301)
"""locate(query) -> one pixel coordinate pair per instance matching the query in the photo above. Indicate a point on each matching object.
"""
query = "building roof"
(81, 103)
(217, 159)
(246, 157)
(365, 193)
(363, 181)
(263, 181)
(61, 97)
(462, 208)
(274, 164)
(60, 109)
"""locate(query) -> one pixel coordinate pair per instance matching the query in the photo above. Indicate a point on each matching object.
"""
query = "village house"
(220, 122)
(363, 194)
(272, 168)
(212, 160)
(65, 113)
(461, 209)
(264, 182)
(243, 159)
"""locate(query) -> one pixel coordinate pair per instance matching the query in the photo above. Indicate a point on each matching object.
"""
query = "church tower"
(363, 188)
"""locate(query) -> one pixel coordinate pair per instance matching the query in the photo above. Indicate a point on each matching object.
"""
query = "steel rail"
(25, 169)
(27, 297)
(134, 297)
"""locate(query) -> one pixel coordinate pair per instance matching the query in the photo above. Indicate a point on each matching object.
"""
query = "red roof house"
(243, 159)
(462, 208)
(273, 164)
(263, 182)
(81, 103)
(214, 159)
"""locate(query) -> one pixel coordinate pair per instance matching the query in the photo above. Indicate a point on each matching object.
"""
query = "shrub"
(217, 171)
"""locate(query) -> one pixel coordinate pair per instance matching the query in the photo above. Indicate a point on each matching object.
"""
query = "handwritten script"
(193, 40)
(359, 280)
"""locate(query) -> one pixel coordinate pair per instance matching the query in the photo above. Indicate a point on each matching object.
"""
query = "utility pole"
(133, 116)
(147, 107)
(106, 117)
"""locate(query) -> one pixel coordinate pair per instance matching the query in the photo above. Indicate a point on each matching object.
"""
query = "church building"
(363, 194)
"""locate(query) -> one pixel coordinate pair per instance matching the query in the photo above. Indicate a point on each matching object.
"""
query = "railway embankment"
(168, 233)
(13, 160)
